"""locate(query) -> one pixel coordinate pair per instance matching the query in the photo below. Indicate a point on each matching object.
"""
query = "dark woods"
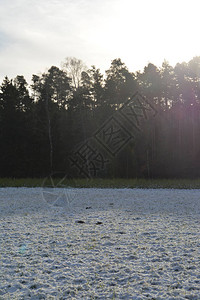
(41, 126)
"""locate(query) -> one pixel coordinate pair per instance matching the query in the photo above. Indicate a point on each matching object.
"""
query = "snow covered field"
(99, 244)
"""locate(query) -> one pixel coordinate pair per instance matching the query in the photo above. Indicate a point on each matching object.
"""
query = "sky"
(38, 34)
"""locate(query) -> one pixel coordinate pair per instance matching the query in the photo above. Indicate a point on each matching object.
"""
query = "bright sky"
(36, 34)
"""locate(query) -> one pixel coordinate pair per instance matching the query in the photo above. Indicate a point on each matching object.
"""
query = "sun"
(152, 31)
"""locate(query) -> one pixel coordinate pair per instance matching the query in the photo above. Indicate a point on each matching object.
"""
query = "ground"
(99, 243)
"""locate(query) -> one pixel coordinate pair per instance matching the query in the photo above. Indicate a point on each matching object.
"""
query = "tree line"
(43, 124)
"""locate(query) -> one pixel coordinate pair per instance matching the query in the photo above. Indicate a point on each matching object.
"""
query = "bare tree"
(74, 68)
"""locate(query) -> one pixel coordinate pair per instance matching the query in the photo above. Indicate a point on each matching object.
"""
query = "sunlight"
(147, 31)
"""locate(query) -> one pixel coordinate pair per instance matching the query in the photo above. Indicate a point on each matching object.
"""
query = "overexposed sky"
(36, 34)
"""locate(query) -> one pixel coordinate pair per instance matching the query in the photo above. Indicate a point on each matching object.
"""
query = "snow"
(99, 243)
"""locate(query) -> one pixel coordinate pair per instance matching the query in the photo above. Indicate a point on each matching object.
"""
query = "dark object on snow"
(88, 207)
(80, 222)
(99, 223)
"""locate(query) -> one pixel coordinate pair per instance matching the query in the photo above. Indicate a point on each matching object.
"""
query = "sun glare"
(151, 31)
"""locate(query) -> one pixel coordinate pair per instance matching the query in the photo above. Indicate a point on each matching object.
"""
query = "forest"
(77, 121)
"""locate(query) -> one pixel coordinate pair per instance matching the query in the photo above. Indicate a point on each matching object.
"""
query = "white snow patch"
(99, 243)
